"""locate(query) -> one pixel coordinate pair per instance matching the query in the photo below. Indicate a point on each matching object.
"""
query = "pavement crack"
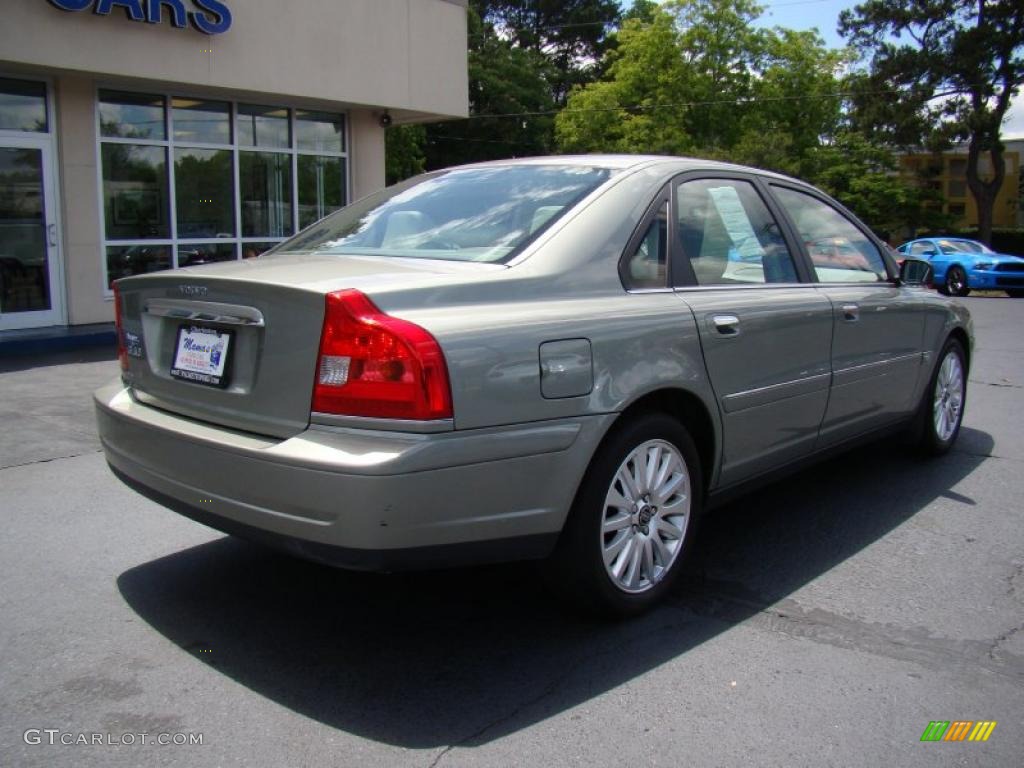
(51, 458)
(1011, 586)
(1006, 385)
(917, 644)
(1002, 639)
(548, 690)
(986, 455)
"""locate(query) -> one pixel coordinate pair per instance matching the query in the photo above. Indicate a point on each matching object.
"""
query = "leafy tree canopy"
(504, 79)
(572, 35)
(696, 76)
(403, 151)
(940, 71)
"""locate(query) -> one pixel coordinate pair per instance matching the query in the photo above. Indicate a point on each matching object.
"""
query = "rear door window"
(729, 236)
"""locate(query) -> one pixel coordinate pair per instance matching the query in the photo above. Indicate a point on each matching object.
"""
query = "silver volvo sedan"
(567, 358)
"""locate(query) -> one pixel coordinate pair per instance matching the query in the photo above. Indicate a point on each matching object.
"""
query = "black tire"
(1015, 293)
(955, 283)
(577, 567)
(929, 439)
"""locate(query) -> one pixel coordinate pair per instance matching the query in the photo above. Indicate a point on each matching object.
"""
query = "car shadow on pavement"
(464, 657)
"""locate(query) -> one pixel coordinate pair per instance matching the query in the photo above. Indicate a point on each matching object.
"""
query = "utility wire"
(705, 103)
(613, 22)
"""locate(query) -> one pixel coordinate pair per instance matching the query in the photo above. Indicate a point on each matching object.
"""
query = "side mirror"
(916, 272)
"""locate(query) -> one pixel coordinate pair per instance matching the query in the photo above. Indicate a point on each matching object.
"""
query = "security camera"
(385, 120)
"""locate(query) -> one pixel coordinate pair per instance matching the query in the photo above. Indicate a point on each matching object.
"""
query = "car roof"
(632, 162)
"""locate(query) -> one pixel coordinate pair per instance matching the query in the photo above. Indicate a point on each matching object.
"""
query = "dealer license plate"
(201, 355)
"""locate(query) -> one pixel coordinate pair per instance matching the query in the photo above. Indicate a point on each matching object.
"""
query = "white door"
(31, 289)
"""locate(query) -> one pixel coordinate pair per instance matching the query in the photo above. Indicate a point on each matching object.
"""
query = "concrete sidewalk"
(56, 339)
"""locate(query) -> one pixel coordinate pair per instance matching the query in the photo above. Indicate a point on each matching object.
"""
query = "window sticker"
(737, 223)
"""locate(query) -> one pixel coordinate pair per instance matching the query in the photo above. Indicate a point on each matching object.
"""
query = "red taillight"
(372, 364)
(122, 353)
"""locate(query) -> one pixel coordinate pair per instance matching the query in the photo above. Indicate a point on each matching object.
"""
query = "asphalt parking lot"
(831, 618)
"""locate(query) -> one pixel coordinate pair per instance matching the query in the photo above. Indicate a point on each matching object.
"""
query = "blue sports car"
(961, 265)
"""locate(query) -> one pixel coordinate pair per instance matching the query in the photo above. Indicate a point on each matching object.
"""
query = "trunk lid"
(266, 315)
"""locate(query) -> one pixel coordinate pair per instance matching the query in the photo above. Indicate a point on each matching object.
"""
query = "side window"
(647, 266)
(729, 236)
(920, 249)
(840, 252)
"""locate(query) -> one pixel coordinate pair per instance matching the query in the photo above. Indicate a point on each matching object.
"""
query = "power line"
(613, 22)
(705, 103)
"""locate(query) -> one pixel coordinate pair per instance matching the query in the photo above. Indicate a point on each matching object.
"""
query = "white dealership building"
(138, 135)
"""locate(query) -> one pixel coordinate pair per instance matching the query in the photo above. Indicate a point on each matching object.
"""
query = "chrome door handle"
(727, 325)
(51, 233)
(851, 312)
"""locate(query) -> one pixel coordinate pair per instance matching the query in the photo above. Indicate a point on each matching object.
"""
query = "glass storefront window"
(252, 250)
(319, 131)
(263, 127)
(205, 253)
(203, 180)
(23, 106)
(266, 192)
(321, 187)
(201, 122)
(235, 178)
(127, 260)
(132, 115)
(135, 192)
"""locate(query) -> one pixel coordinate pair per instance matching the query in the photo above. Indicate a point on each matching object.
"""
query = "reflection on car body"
(561, 358)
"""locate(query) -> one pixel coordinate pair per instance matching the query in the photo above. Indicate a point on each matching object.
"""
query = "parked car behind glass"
(567, 358)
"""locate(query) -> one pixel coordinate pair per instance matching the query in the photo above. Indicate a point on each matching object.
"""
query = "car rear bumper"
(359, 498)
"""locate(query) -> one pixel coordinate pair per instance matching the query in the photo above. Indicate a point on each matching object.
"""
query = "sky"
(824, 14)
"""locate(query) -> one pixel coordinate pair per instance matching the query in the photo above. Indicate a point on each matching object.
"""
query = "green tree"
(571, 35)
(641, 10)
(796, 92)
(722, 53)
(863, 176)
(695, 76)
(403, 150)
(629, 110)
(506, 81)
(941, 71)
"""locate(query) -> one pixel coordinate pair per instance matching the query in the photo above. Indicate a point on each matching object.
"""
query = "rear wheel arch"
(608, 559)
(961, 335)
(690, 411)
(682, 405)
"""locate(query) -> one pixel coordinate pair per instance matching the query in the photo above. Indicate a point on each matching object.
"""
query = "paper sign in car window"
(736, 222)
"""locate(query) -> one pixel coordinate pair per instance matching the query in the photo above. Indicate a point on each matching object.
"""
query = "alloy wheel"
(646, 515)
(948, 396)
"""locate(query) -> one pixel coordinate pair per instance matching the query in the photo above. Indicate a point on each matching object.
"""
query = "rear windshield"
(474, 214)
